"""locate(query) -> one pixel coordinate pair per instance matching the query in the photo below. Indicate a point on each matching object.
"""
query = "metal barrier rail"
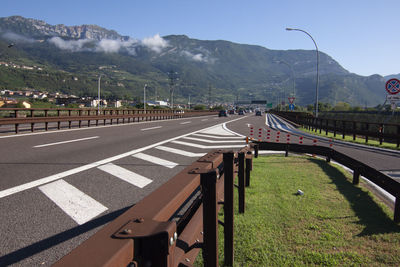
(86, 115)
(170, 226)
(367, 129)
(359, 168)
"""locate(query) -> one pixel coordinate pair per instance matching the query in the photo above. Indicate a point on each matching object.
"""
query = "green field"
(333, 224)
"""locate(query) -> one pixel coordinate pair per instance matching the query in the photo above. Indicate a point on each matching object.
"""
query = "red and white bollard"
(301, 140)
(259, 134)
(314, 142)
(330, 143)
(251, 132)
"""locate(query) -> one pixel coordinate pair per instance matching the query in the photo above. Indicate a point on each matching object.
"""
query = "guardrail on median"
(169, 227)
(382, 180)
(380, 131)
(46, 116)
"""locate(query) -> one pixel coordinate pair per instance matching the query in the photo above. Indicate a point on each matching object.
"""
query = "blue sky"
(362, 35)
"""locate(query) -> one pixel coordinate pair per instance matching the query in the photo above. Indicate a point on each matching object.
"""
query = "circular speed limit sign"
(393, 86)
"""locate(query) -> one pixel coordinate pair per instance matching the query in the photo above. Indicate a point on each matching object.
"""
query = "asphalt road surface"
(58, 188)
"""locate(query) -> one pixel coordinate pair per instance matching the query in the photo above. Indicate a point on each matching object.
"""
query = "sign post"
(291, 105)
(393, 88)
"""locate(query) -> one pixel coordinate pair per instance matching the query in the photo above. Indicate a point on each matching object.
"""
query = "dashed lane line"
(66, 142)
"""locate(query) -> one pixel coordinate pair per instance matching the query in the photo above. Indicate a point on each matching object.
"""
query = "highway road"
(57, 188)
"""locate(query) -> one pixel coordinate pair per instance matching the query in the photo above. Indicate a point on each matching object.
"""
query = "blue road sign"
(291, 106)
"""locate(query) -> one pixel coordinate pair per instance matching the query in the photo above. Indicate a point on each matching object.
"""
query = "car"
(241, 112)
(222, 113)
(231, 112)
(258, 113)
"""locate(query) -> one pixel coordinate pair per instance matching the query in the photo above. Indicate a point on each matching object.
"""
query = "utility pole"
(209, 96)
(172, 76)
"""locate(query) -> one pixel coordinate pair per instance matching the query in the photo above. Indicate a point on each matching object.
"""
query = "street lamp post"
(291, 69)
(98, 105)
(144, 98)
(316, 47)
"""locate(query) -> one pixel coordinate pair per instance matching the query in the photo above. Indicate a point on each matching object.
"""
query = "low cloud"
(17, 38)
(71, 45)
(155, 43)
(199, 57)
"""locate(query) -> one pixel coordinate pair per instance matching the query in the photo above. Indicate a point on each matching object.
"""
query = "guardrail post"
(46, 126)
(256, 150)
(248, 167)
(228, 208)
(32, 127)
(344, 129)
(356, 176)
(398, 136)
(366, 130)
(354, 130)
(380, 133)
(241, 181)
(326, 126)
(210, 218)
(334, 128)
(16, 128)
(397, 209)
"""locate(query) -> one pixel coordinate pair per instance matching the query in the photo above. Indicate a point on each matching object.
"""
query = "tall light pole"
(172, 76)
(144, 98)
(98, 105)
(291, 69)
(316, 47)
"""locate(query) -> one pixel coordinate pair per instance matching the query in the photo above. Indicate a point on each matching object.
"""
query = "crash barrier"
(170, 226)
(379, 131)
(380, 179)
(31, 117)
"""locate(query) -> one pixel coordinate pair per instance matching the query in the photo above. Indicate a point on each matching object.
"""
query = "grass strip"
(333, 224)
(349, 138)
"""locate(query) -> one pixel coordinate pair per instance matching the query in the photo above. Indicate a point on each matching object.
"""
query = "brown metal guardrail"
(379, 131)
(46, 116)
(170, 226)
(382, 180)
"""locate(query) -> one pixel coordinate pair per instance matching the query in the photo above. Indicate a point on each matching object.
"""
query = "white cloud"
(17, 38)
(155, 43)
(197, 57)
(72, 45)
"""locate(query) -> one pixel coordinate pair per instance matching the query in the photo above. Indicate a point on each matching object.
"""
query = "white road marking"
(204, 147)
(180, 152)
(151, 128)
(155, 160)
(185, 122)
(126, 175)
(79, 206)
(51, 178)
(213, 141)
(66, 142)
(217, 130)
(204, 120)
(220, 137)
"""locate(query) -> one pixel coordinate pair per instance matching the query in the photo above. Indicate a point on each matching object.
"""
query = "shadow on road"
(47, 243)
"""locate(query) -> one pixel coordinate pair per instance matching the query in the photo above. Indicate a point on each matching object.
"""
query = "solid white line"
(180, 152)
(79, 206)
(155, 160)
(126, 175)
(220, 137)
(210, 147)
(151, 128)
(65, 142)
(186, 122)
(213, 141)
(51, 178)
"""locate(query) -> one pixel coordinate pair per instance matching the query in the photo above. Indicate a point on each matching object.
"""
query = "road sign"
(291, 99)
(291, 106)
(393, 98)
(393, 86)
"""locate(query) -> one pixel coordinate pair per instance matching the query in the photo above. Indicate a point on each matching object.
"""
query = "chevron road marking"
(206, 147)
(213, 141)
(220, 137)
(180, 152)
(79, 206)
(155, 160)
(126, 175)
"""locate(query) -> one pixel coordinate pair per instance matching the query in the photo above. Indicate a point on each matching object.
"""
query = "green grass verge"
(349, 138)
(333, 224)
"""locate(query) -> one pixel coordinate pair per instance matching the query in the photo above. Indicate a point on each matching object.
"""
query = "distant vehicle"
(258, 113)
(231, 112)
(222, 113)
(241, 112)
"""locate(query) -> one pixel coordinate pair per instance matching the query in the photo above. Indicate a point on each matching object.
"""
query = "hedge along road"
(58, 188)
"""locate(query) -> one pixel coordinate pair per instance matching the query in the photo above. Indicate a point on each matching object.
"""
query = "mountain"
(71, 58)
